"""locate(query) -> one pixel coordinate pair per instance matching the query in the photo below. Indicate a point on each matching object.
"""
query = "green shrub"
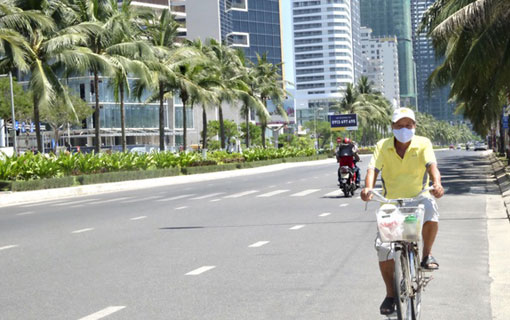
(38, 184)
(126, 176)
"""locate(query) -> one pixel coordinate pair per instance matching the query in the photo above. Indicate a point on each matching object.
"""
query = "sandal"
(429, 263)
(388, 306)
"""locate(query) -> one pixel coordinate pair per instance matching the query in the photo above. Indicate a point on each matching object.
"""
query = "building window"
(237, 5)
(238, 39)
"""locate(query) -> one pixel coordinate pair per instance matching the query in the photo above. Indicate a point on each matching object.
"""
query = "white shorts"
(383, 249)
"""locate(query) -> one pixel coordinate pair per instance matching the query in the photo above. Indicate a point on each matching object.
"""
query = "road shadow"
(467, 175)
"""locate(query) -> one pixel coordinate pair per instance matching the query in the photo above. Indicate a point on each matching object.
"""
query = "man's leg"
(387, 268)
(429, 233)
(358, 175)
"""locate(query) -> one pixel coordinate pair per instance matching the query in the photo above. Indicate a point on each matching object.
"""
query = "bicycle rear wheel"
(402, 285)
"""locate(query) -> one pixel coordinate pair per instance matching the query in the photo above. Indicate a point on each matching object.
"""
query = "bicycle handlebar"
(380, 198)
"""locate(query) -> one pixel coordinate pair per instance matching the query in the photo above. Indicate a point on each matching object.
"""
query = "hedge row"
(107, 177)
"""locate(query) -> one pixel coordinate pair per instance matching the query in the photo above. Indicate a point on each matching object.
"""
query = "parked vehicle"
(480, 146)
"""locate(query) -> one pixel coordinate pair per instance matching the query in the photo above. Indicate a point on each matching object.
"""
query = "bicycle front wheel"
(402, 285)
(416, 276)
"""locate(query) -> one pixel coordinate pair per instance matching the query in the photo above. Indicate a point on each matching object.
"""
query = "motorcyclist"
(347, 148)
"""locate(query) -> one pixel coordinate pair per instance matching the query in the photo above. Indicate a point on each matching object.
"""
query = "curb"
(25, 197)
(502, 175)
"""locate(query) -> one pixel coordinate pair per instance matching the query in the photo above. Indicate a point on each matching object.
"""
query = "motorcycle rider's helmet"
(347, 140)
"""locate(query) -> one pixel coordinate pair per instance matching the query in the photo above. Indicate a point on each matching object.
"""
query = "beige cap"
(402, 113)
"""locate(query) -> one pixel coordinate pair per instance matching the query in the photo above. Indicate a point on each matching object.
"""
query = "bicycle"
(409, 278)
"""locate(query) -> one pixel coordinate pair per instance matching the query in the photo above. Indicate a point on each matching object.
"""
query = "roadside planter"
(35, 172)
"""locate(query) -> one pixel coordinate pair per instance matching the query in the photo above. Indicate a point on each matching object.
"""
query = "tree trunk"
(161, 117)
(37, 119)
(183, 124)
(263, 134)
(122, 118)
(97, 147)
(222, 128)
(57, 137)
(247, 138)
(204, 130)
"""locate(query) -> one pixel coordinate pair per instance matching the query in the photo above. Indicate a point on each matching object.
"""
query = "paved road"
(281, 245)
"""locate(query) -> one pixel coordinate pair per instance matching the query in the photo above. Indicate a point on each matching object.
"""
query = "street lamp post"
(316, 135)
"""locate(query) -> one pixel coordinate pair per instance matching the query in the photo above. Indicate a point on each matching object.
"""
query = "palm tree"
(125, 53)
(248, 98)
(161, 32)
(268, 86)
(57, 51)
(14, 23)
(227, 65)
(473, 38)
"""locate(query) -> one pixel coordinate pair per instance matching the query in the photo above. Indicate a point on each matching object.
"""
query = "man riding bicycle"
(405, 162)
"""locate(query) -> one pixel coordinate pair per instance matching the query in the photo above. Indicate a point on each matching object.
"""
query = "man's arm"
(435, 176)
(370, 180)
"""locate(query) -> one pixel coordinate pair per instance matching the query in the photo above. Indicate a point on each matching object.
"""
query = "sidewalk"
(15, 198)
(498, 228)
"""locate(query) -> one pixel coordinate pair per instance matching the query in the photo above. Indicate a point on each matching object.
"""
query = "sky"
(288, 54)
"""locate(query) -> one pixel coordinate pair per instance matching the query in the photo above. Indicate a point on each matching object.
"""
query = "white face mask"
(403, 135)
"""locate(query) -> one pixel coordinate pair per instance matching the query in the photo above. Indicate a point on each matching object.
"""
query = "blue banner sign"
(505, 122)
(341, 122)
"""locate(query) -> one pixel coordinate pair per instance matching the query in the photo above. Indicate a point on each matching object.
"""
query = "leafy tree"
(253, 131)
(323, 128)
(22, 101)
(230, 128)
(61, 113)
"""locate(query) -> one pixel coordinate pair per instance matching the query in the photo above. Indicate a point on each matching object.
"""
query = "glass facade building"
(256, 28)
(389, 18)
(435, 102)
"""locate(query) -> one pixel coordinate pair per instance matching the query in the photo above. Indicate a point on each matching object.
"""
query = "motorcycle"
(347, 176)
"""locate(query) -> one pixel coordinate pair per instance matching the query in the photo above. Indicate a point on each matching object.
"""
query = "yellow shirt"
(403, 178)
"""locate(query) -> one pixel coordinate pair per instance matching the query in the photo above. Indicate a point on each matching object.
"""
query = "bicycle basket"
(400, 224)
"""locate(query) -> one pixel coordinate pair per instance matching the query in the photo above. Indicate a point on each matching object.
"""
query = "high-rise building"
(380, 55)
(389, 18)
(254, 26)
(324, 55)
(434, 102)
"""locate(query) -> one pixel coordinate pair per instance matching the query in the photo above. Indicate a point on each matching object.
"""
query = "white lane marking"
(180, 208)
(238, 195)
(208, 196)
(138, 218)
(333, 194)
(200, 270)
(215, 200)
(83, 230)
(358, 197)
(258, 244)
(272, 186)
(272, 193)
(290, 182)
(176, 197)
(25, 213)
(325, 214)
(304, 193)
(344, 205)
(141, 199)
(111, 200)
(8, 247)
(73, 202)
(41, 203)
(297, 227)
(103, 313)
(78, 205)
